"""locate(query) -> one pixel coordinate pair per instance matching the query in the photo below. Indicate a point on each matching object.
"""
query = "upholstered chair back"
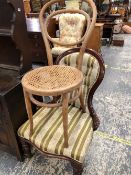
(90, 69)
(71, 29)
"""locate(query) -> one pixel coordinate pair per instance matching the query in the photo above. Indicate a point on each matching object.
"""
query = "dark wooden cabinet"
(12, 111)
(15, 60)
(38, 48)
(37, 44)
(14, 42)
(38, 51)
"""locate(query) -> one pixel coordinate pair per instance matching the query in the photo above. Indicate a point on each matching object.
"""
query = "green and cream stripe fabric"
(90, 69)
(48, 132)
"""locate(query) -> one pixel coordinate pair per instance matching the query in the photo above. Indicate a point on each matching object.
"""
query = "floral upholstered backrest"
(90, 69)
(71, 27)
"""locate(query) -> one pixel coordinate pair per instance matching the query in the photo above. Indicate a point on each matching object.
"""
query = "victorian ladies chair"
(47, 135)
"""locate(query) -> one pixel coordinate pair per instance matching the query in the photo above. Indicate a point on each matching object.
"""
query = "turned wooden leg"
(65, 118)
(77, 168)
(26, 148)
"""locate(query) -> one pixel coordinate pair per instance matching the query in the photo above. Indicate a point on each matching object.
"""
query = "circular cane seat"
(50, 80)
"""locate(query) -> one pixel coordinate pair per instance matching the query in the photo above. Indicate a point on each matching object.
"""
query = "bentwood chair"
(47, 136)
(72, 24)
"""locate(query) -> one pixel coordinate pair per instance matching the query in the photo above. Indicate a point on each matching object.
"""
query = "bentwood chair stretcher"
(53, 81)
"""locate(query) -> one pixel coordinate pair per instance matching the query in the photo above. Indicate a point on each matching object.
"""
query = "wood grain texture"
(65, 118)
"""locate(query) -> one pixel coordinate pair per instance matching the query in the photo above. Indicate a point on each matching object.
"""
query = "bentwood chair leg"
(29, 111)
(65, 118)
(81, 98)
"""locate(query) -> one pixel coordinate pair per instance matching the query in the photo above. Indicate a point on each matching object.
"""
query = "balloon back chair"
(72, 24)
(47, 135)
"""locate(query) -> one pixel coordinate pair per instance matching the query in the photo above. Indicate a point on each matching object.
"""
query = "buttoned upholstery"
(71, 27)
(90, 69)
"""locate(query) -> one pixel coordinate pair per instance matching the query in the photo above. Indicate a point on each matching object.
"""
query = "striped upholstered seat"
(90, 69)
(48, 132)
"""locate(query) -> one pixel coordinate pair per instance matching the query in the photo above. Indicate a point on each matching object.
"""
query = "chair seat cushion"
(48, 132)
(59, 50)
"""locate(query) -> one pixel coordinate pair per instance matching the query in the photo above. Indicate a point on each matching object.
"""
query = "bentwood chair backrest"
(47, 39)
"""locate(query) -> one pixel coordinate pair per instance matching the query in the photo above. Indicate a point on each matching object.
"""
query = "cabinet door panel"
(3, 132)
(3, 136)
